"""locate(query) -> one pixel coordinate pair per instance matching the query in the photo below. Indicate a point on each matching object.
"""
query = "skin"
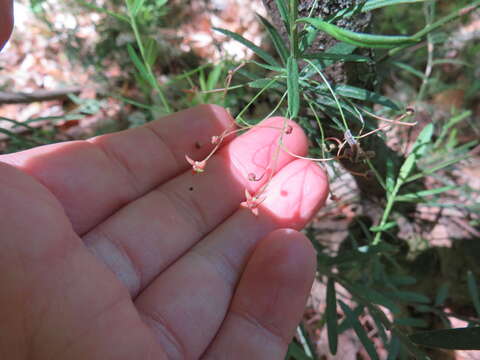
(113, 249)
(6, 21)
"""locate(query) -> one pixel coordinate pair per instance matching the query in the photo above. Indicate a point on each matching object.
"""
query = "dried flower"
(252, 202)
(215, 140)
(197, 166)
(288, 130)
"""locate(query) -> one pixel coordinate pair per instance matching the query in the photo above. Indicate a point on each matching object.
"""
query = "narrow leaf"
(104, 11)
(276, 39)
(387, 226)
(418, 150)
(390, 176)
(262, 83)
(341, 48)
(138, 63)
(137, 5)
(375, 297)
(418, 196)
(368, 6)
(410, 296)
(410, 69)
(365, 95)
(411, 322)
(360, 39)
(377, 4)
(331, 315)
(282, 9)
(293, 87)
(454, 339)
(257, 50)
(360, 331)
(473, 290)
(442, 294)
(409, 345)
(337, 57)
(402, 280)
(296, 351)
(151, 51)
(393, 348)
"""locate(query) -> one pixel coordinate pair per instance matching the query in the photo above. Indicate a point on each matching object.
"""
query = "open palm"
(112, 249)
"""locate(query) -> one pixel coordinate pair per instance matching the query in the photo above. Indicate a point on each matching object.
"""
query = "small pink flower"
(251, 202)
(197, 166)
(215, 140)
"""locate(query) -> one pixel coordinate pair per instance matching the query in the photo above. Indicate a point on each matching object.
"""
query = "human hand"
(112, 249)
(6, 21)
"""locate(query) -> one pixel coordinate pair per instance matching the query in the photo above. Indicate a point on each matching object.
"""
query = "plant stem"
(388, 209)
(429, 10)
(138, 38)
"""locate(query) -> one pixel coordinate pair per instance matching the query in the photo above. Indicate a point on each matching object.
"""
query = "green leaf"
(278, 69)
(257, 50)
(385, 227)
(375, 297)
(338, 49)
(359, 330)
(282, 9)
(454, 339)
(138, 63)
(151, 51)
(393, 348)
(446, 129)
(293, 87)
(377, 4)
(17, 123)
(261, 83)
(276, 39)
(331, 315)
(214, 77)
(419, 149)
(337, 57)
(390, 176)
(368, 6)
(410, 296)
(473, 290)
(360, 39)
(411, 322)
(104, 11)
(402, 280)
(365, 95)
(409, 345)
(442, 294)
(410, 69)
(341, 48)
(418, 196)
(137, 5)
(296, 351)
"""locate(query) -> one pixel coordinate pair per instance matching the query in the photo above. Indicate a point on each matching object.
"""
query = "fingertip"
(296, 193)
(277, 281)
(289, 248)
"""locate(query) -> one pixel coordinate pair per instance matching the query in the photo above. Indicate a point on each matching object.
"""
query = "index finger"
(92, 179)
